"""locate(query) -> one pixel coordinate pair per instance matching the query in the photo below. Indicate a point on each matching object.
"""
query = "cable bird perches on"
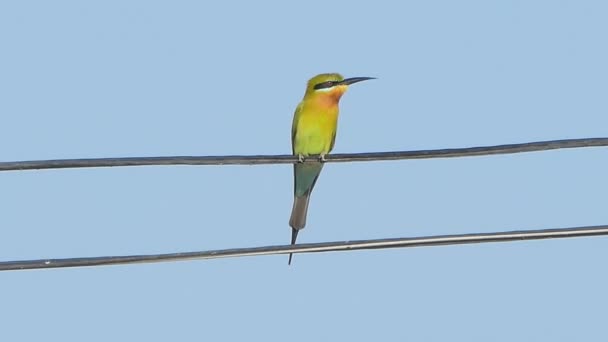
(289, 159)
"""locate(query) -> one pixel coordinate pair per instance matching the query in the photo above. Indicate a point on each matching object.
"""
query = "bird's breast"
(315, 130)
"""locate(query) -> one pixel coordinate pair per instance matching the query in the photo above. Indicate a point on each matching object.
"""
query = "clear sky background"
(83, 79)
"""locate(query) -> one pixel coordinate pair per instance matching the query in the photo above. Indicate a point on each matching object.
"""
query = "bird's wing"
(294, 127)
(333, 140)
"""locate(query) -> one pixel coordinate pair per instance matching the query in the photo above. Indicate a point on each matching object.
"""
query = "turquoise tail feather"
(305, 178)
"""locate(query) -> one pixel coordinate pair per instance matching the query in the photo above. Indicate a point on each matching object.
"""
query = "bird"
(313, 132)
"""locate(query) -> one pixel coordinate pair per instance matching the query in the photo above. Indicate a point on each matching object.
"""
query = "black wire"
(289, 159)
(440, 240)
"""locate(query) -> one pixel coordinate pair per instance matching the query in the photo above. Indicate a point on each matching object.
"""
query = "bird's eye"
(324, 85)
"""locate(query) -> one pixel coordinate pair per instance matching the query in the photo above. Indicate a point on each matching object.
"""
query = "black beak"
(353, 80)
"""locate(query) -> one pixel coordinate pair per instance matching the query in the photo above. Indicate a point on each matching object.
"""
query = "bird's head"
(331, 85)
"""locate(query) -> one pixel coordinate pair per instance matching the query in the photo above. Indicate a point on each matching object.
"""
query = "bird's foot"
(322, 157)
(300, 158)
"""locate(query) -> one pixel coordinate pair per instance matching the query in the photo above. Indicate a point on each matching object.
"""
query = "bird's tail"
(297, 220)
(298, 217)
(294, 236)
(305, 177)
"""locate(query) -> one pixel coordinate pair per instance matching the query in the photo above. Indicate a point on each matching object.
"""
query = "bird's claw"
(300, 158)
(322, 158)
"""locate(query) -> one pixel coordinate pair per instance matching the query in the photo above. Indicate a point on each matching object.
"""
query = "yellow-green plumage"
(313, 132)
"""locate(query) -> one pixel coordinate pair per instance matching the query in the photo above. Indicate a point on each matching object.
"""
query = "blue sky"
(149, 78)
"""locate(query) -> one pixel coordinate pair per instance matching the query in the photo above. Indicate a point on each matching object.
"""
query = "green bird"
(313, 132)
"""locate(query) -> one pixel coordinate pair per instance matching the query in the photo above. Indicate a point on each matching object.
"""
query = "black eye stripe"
(323, 85)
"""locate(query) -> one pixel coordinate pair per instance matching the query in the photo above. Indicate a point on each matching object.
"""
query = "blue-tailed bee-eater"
(313, 132)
